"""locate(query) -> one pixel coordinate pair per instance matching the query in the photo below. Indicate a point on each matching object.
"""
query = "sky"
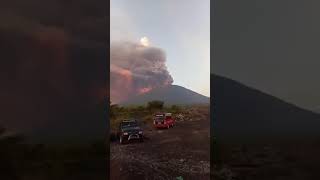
(272, 46)
(181, 28)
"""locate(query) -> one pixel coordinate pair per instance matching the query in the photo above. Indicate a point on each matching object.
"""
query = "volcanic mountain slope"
(172, 94)
(242, 112)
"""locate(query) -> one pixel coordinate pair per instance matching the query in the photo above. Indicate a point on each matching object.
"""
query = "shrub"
(155, 105)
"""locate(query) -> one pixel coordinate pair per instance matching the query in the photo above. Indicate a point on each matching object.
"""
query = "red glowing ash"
(144, 90)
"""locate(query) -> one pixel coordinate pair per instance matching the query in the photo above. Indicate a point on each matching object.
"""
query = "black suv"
(129, 130)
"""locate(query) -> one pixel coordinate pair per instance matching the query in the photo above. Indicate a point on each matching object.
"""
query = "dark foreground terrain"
(183, 150)
(69, 161)
(264, 161)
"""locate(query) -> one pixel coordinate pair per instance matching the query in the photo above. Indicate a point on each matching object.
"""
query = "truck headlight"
(125, 133)
(140, 132)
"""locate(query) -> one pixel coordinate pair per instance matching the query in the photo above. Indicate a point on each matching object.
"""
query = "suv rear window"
(129, 124)
(159, 118)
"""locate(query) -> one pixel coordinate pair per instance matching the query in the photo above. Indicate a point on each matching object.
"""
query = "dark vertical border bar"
(55, 89)
(107, 107)
(212, 12)
(212, 104)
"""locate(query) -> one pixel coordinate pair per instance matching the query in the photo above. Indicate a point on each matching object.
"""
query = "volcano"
(170, 95)
(242, 112)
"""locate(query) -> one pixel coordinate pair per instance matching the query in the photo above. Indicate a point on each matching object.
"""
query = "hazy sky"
(270, 45)
(181, 28)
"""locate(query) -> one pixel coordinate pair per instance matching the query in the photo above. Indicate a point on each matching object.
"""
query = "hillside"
(172, 94)
(243, 112)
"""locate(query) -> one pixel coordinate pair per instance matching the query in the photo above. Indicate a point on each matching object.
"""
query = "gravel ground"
(181, 151)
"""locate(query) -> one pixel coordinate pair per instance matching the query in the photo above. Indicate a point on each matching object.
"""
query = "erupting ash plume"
(136, 69)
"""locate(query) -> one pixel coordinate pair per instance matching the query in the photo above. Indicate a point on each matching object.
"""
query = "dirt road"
(183, 150)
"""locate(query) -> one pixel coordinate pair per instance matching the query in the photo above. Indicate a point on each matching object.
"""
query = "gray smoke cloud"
(136, 69)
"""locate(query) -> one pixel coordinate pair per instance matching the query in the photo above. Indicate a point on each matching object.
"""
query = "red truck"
(163, 120)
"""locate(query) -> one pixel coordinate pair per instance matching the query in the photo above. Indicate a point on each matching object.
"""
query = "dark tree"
(155, 105)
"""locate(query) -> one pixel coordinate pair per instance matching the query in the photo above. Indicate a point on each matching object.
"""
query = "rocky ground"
(285, 161)
(181, 152)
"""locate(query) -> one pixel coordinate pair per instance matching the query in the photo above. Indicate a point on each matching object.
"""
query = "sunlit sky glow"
(181, 28)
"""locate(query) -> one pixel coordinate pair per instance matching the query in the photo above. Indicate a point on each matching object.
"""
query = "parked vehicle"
(129, 130)
(163, 120)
